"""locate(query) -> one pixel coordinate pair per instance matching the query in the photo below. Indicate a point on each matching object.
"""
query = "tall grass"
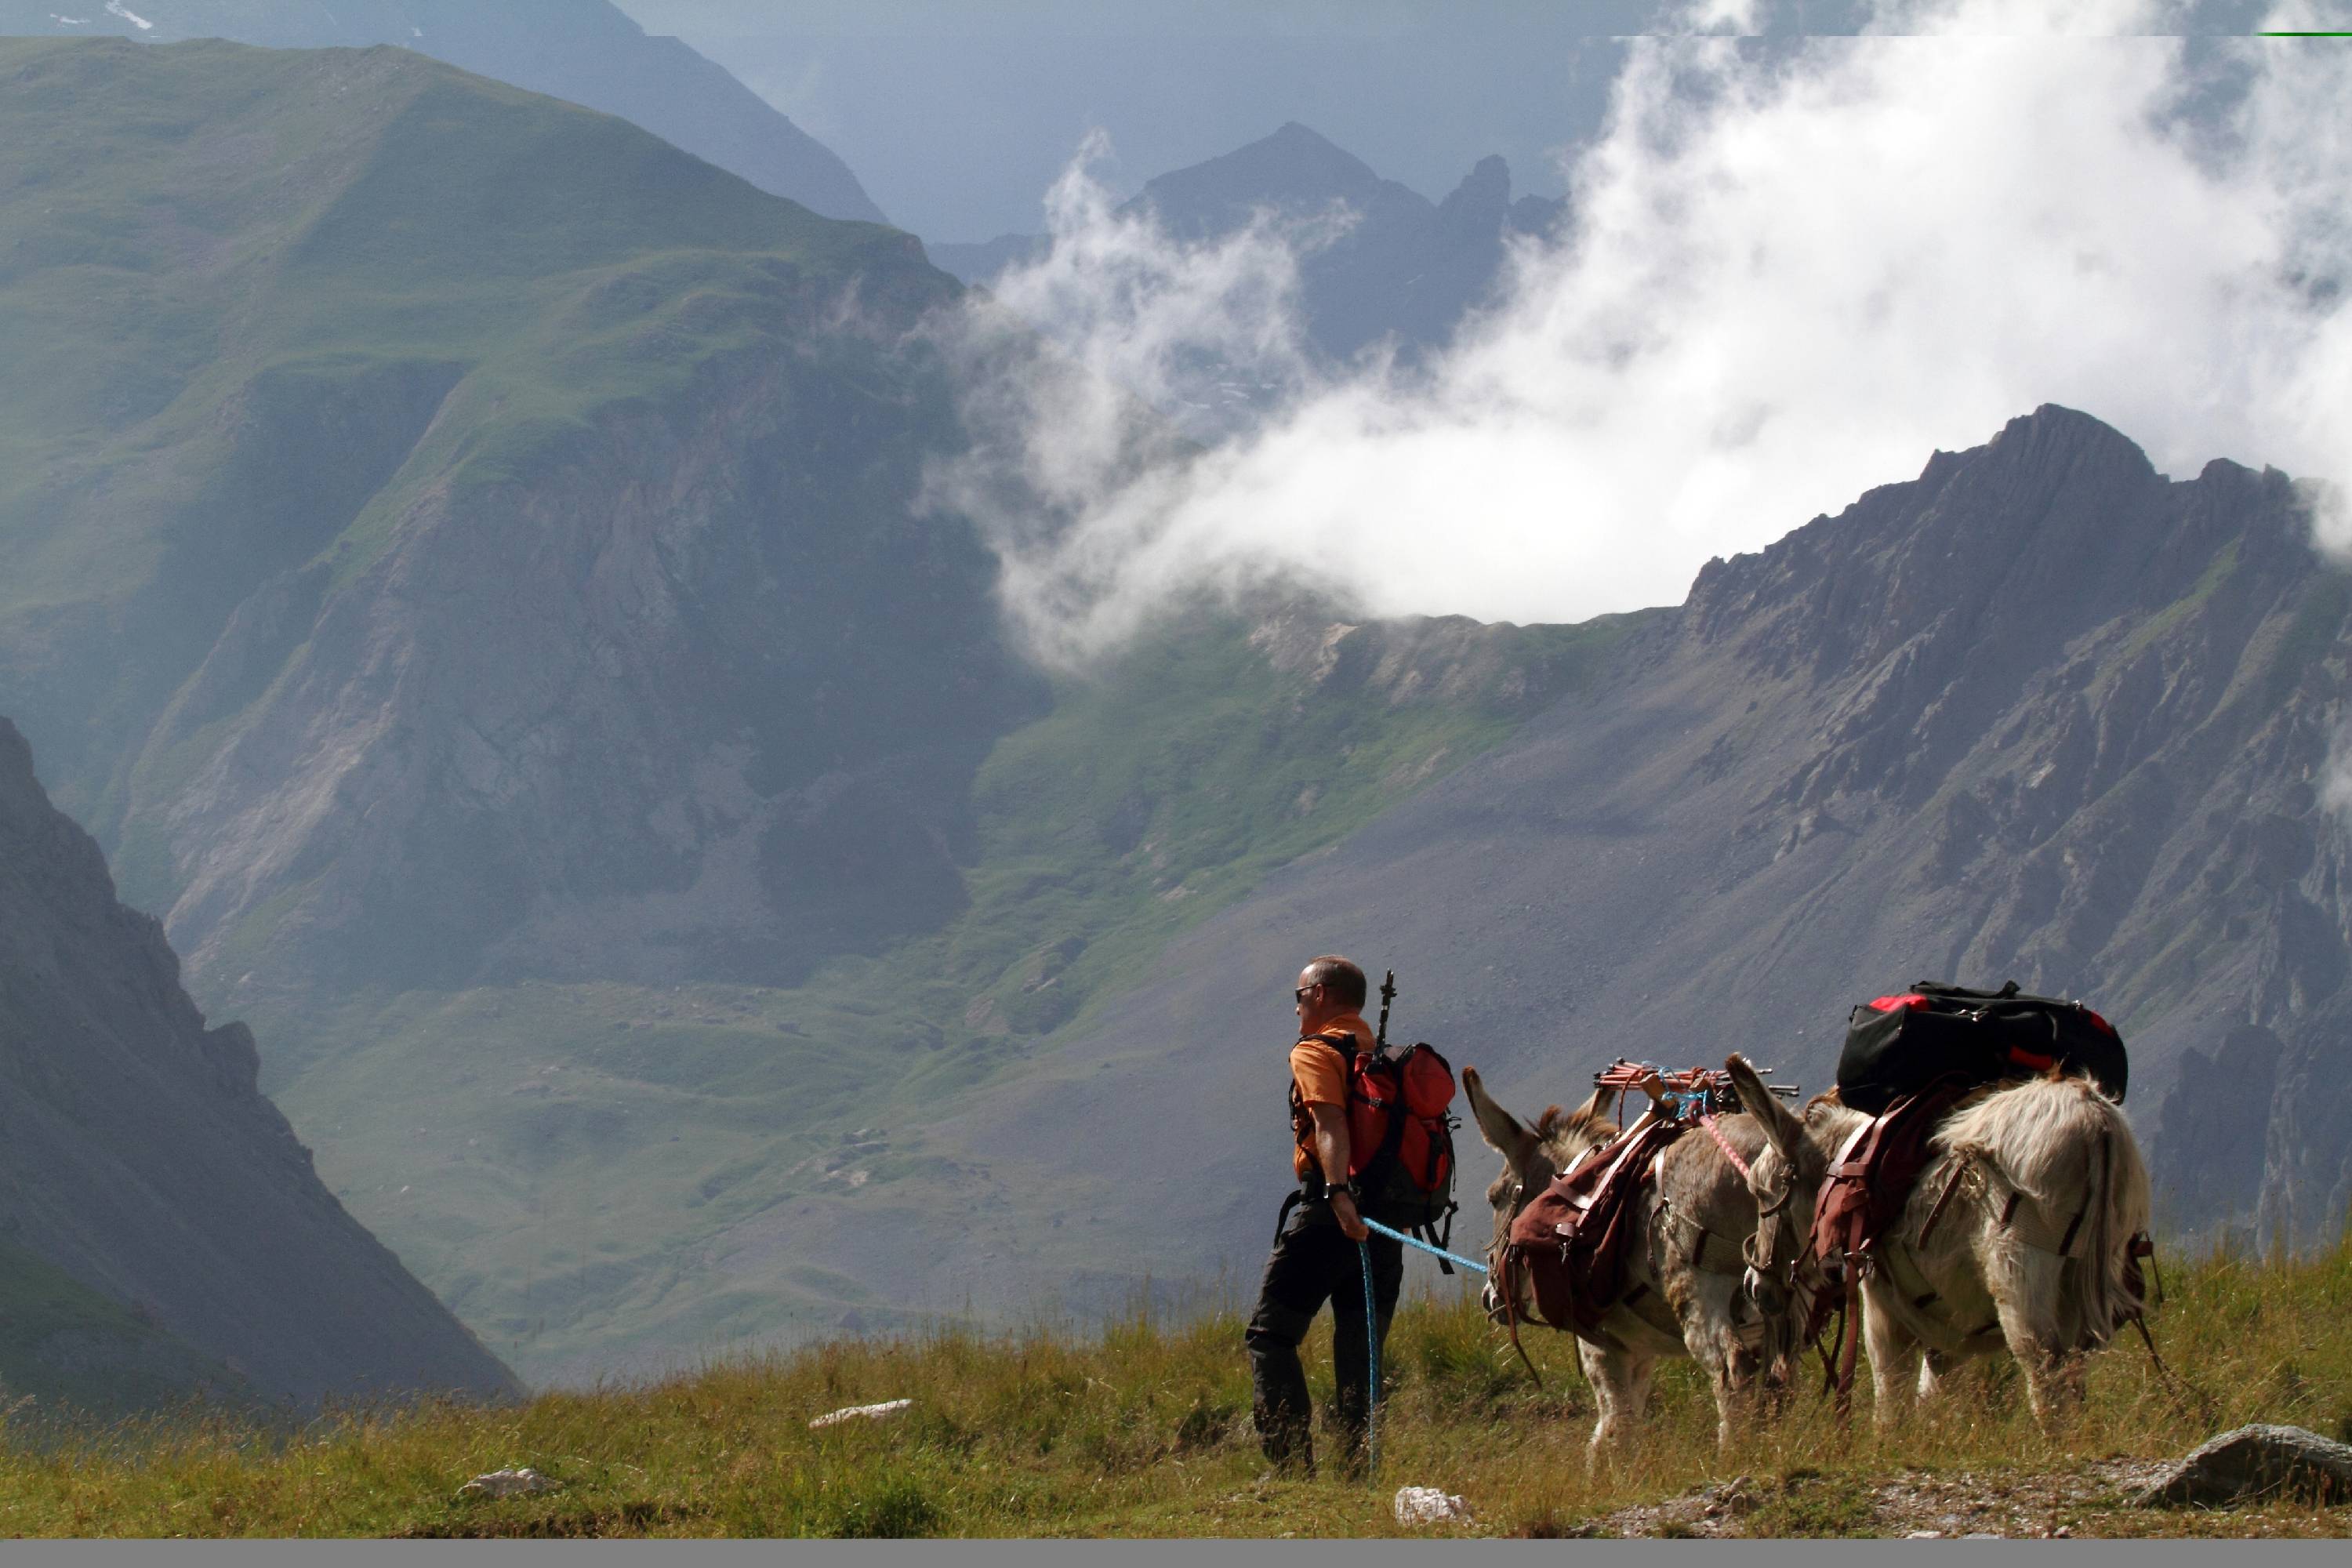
(1144, 1429)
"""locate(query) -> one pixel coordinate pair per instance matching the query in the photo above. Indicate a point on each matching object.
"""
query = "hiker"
(1315, 1255)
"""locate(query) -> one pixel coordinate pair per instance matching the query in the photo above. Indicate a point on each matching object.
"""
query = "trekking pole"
(1372, 1341)
(1388, 995)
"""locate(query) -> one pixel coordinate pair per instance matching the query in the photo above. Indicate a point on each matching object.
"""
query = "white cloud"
(1791, 276)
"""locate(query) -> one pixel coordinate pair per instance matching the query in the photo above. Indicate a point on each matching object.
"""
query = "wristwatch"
(1348, 1188)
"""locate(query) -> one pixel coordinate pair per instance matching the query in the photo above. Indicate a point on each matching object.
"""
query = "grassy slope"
(1144, 1432)
(564, 1199)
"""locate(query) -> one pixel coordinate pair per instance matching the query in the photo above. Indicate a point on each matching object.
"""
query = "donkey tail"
(2099, 1277)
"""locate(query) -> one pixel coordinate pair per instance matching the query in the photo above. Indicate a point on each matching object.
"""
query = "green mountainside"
(250, 318)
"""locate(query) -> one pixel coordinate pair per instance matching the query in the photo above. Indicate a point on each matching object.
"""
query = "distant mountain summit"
(1295, 172)
(1405, 269)
(147, 1184)
(586, 51)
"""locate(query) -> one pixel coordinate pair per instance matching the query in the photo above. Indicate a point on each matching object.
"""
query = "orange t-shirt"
(1318, 1076)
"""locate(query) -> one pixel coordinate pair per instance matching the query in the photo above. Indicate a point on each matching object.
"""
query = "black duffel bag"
(1897, 1046)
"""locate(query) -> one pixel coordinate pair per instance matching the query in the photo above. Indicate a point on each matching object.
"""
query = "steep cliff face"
(2040, 713)
(139, 1159)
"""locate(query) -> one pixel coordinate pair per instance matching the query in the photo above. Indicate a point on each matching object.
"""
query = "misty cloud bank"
(1789, 275)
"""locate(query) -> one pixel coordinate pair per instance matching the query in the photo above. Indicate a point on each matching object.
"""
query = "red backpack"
(1400, 1136)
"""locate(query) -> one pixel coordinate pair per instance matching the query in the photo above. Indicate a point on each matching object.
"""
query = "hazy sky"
(958, 114)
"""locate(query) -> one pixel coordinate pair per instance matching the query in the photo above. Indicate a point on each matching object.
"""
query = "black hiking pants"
(1312, 1262)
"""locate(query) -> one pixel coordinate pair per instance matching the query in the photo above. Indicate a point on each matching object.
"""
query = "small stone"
(524, 1482)
(1925, 1535)
(861, 1413)
(1428, 1505)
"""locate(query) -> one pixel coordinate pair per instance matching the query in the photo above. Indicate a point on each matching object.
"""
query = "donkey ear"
(1599, 1108)
(1782, 1128)
(1498, 1127)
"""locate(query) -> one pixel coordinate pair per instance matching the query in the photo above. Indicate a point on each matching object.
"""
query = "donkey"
(1689, 1289)
(2016, 1235)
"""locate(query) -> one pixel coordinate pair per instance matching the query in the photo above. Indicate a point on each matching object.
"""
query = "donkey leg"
(1620, 1393)
(2024, 1284)
(1713, 1343)
(1892, 1349)
(1933, 1365)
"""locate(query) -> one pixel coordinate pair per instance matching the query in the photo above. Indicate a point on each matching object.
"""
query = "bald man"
(1316, 1257)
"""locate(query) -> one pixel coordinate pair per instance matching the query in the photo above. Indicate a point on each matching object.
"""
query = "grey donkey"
(2016, 1237)
(1695, 1289)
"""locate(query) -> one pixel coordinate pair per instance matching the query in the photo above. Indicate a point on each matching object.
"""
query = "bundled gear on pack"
(1399, 1131)
(1897, 1046)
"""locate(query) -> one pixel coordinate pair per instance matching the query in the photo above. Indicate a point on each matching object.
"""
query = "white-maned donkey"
(2028, 1205)
(1689, 1289)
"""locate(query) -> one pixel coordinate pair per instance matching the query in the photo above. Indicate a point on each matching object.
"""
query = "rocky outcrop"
(138, 1158)
(648, 711)
(2253, 1464)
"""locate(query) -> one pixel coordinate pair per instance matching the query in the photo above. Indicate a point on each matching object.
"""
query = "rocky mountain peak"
(2057, 523)
(1481, 203)
(1295, 171)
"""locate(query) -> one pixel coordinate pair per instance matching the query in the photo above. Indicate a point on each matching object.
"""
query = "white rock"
(1428, 1505)
(509, 1483)
(861, 1413)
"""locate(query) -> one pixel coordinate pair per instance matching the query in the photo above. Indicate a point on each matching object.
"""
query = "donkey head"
(1532, 1156)
(1785, 1180)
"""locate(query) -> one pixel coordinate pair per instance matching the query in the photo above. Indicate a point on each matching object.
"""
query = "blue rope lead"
(1371, 1389)
(1415, 1241)
(1372, 1328)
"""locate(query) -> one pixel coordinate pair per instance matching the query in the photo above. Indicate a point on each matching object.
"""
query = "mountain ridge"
(588, 53)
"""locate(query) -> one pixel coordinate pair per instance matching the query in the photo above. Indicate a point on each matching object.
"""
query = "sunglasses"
(1300, 995)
